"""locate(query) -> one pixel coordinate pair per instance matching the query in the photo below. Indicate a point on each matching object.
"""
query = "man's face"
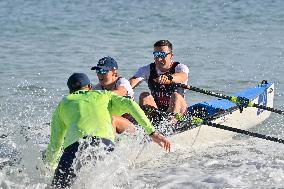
(163, 63)
(106, 78)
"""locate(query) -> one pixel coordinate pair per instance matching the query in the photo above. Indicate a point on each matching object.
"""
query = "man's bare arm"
(134, 82)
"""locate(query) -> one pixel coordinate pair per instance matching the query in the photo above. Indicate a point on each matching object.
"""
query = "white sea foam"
(228, 45)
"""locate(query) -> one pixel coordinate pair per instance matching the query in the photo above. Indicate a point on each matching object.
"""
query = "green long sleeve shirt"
(89, 113)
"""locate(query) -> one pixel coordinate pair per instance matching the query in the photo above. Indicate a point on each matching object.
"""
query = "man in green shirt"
(85, 115)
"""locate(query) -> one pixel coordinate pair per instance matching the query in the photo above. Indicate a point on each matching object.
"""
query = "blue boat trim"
(221, 105)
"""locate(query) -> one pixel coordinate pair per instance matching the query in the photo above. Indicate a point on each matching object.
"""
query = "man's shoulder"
(123, 80)
(181, 64)
(102, 93)
(99, 92)
(143, 71)
(181, 68)
(80, 96)
(146, 66)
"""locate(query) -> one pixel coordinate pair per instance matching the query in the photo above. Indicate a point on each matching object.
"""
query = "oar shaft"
(245, 132)
(204, 91)
(233, 99)
(268, 108)
(197, 121)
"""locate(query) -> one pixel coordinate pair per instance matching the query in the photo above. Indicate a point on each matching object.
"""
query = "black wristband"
(152, 133)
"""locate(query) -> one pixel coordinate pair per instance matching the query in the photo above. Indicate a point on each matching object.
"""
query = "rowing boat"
(226, 113)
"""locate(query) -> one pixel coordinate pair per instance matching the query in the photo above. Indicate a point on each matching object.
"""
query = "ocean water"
(228, 46)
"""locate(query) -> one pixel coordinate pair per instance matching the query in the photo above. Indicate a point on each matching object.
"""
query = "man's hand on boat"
(161, 140)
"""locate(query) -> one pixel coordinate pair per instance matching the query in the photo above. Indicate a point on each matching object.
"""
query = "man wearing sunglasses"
(161, 77)
(109, 79)
(82, 122)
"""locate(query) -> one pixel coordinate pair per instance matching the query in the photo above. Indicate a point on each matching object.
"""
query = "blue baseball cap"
(106, 63)
(77, 80)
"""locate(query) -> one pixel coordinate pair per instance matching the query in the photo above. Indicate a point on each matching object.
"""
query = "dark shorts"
(162, 106)
(68, 165)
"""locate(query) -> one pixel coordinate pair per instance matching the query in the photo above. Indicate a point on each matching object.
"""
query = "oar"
(241, 102)
(195, 121)
(199, 121)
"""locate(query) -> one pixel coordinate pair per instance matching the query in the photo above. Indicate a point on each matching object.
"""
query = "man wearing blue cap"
(109, 79)
(82, 120)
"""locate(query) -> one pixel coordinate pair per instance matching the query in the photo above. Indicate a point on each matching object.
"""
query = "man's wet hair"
(164, 43)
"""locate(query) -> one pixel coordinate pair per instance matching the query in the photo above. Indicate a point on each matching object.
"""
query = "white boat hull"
(205, 135)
